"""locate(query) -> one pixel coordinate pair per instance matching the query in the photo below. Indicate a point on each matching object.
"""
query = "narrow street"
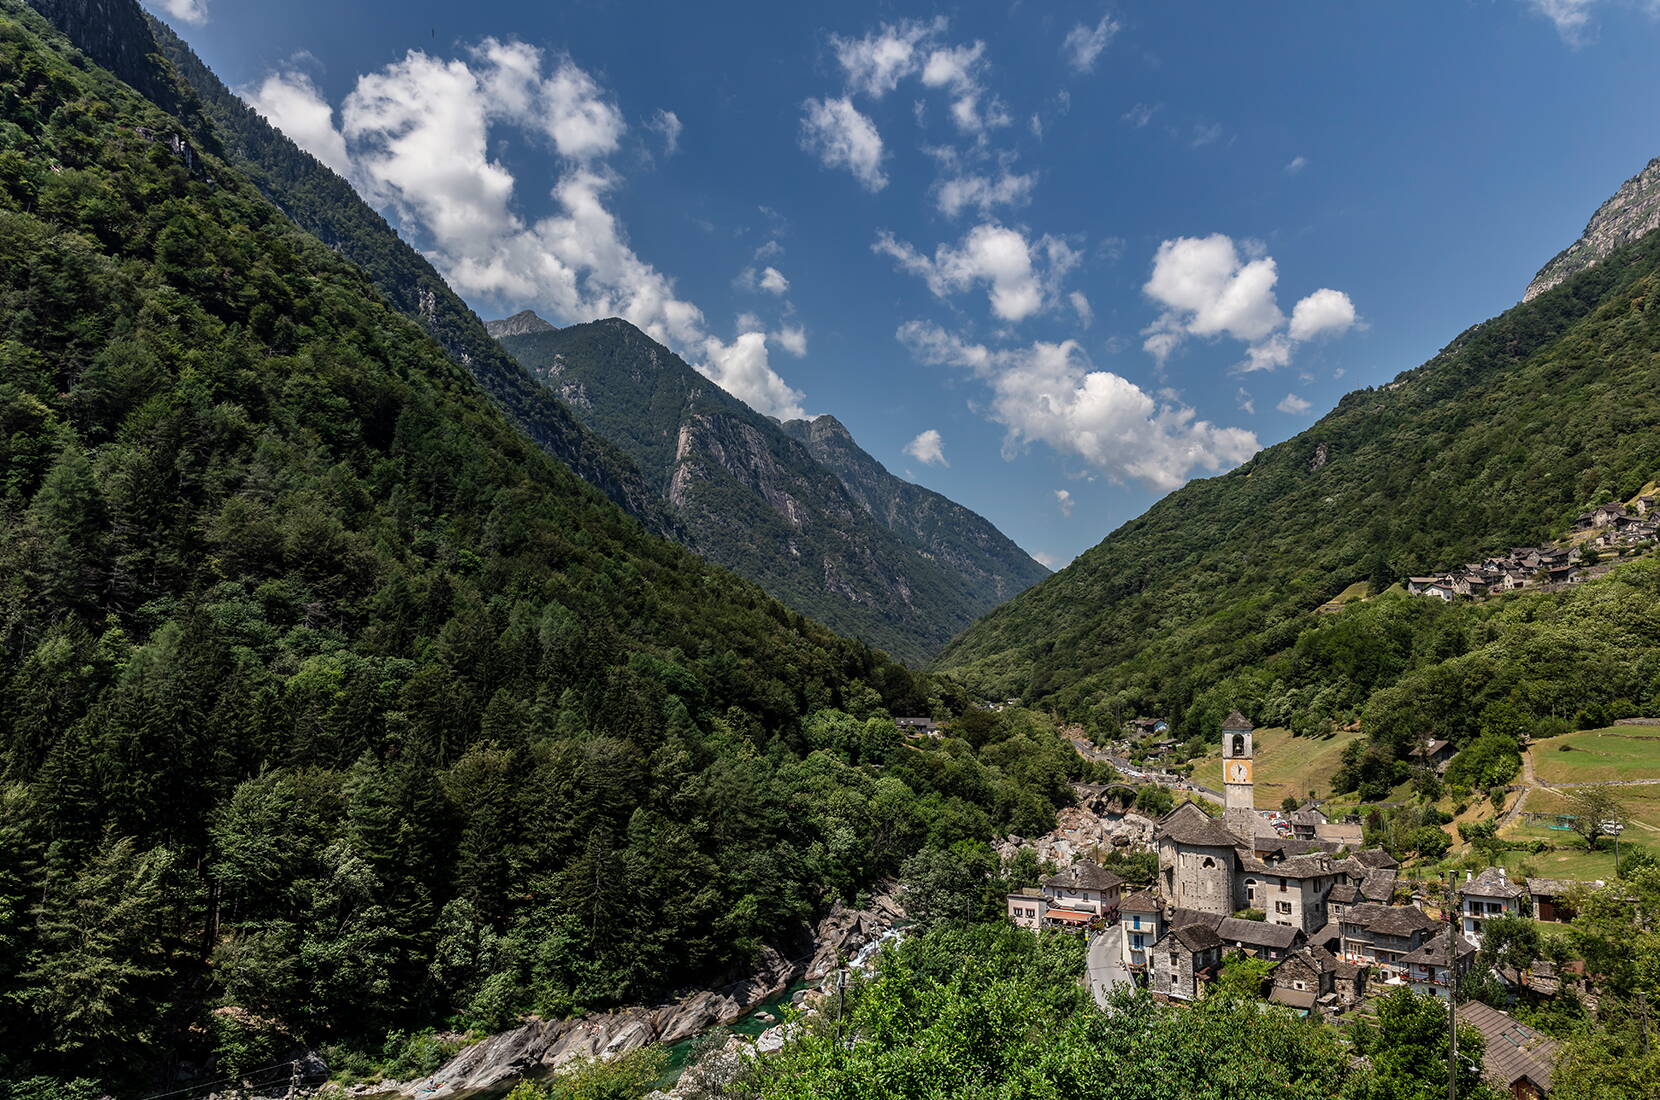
(1106, 964)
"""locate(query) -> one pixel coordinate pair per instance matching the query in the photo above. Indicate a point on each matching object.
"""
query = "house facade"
(1488, 895)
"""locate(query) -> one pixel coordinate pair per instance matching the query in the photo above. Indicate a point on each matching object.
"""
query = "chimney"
(1466, 876)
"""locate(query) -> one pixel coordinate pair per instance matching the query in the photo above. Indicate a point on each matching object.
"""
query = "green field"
(1570, 859)
(1285, 765)
(1597, 756)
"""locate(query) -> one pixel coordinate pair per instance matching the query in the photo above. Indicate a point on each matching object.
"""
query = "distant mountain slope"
(1631, 212)
(1497, 441)
(955, 536)
(523, 322)
(327, 207)
(753, 497)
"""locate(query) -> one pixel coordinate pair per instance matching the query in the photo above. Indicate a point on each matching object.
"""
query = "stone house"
(916, 725)
(1259, 939)
(1381, 935)
(1291, 891)
(1184, 960)
(1433, 753)
(1488, 895)
(1550, 897)
(1198, 858)
(1082, 895)
(1141, 915)
(1427, 968)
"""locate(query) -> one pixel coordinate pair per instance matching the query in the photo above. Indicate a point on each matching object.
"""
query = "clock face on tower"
(1239, 771)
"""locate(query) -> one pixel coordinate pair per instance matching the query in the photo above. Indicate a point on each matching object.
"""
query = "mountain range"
(797, 507)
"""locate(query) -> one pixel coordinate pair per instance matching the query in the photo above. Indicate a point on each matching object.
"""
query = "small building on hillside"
(1083, 895)
(1381, 935)
(1434, 753)
(1428, 969)
(1260, 939)
(1488, 895)
(916, 725)
(1551, 897)
(1141, 915)
(1184, 961)
(1514, 1056)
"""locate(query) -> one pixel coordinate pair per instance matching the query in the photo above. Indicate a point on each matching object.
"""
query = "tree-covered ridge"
(327, 207)
(752, 496)
(1496, 442)
(331, 703)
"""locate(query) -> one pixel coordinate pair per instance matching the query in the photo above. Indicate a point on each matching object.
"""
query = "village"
(1335, 922)
(1612, 527)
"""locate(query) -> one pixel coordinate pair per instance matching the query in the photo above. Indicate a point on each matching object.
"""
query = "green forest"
(1499, 441)
(335, 707)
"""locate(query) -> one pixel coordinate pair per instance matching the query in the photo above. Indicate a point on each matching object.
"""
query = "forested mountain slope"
(1498, 441)
(330, 704)
(752, 496)
(327, 207)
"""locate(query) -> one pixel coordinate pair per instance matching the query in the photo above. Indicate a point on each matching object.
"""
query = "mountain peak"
(522, 322)
(1632, 211)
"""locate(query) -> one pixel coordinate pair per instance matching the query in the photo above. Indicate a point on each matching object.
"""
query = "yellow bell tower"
(1239, 810)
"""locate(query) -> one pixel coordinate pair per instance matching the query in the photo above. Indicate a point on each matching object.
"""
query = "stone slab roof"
(1514, 1051)
(1187, 824)
(1236, 721)
(1434, 952)
(1375, 858)
(1557, 887)
(1493, 883)
(1197, 937)
(1258, 933)
(1390, 920)
(1085, 875)
(1142, 901)
(1292, 998)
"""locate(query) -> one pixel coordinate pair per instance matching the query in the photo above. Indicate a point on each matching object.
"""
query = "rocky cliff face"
(799, 508)
(953, 535)
(1632, 211)
(519, 324)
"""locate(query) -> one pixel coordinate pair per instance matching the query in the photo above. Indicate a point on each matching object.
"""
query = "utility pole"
(1452, 985)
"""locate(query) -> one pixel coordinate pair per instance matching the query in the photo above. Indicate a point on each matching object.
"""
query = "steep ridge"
(327, 207)
(332, 706)
(961, 539)
(754, 498)
(521, 323)
(1629, 213)
(1499, 440)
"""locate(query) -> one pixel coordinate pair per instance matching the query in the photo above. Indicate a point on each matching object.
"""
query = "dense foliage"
(326, 206)
(1496, 442)
(332, 705)
(753, 495)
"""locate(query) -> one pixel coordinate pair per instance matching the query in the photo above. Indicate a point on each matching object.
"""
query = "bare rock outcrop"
(1632, 211)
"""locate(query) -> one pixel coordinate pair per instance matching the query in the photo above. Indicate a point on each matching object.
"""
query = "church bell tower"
(1239, 811)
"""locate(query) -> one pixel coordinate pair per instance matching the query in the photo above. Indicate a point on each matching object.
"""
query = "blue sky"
(1048, 259)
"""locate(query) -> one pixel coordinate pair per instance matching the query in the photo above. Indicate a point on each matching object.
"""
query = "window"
(1239, 744)
(1208, 862)
(1299, 985)
(1135, 942)
(1282, 907)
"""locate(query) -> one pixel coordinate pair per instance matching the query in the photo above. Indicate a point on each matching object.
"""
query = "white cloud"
(1206, 133)
(1246, 402)
(876, 63)
(1063, 500)
(1209, 290)
(1140, 115)
(1571, 17)
(1325, 312)
(185, 11)
(1081, 306)
(841, 137)
(1084, 44)
(1295, 165)
(792, 338)
(292, 103)
(1045, 392)
(927, 448)
(956, 194)
(1044, 559)
(772, 281)
(415, 137)
(1293, 404)
(668, 125)
(1020, 276)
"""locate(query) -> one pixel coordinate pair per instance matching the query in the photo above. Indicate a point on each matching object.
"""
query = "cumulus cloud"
(1295, 165)
(1047, 393)
(772, 281)
(185, 11)
(954, 195)
(1326, 312)
(792, 338)
(1020, 276)
(927, 448)
(878, 61)
(1207, 289)
(1572, 18)
(1291, 403)
(834, 131)
(1084, 44)
(1063, 500)
(291, 102)
(667, 125)
(415, 137)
